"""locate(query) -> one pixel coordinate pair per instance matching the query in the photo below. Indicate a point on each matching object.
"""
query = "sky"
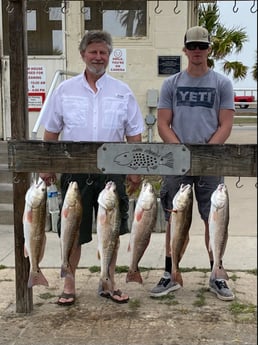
(243, 18)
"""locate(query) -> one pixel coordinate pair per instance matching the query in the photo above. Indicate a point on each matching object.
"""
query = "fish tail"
(37, 278)
(219, 272)
(66, 271)
(177, 277)
(106, 284)
(134, 276)
(168, 160)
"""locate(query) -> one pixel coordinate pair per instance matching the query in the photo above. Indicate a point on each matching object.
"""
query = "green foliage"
(200, 302)
(224, 41)
(241, 308)
(134, 304)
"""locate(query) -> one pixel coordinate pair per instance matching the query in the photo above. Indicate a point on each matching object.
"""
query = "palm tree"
(254, 69)
(224, 41)
(131, 17)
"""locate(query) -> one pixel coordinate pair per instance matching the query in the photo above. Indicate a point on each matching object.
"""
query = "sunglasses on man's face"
(195, 45)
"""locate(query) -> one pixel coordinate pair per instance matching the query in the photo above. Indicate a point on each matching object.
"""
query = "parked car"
(244, 99)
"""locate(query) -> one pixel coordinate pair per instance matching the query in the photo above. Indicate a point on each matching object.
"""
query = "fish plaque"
(161, 159)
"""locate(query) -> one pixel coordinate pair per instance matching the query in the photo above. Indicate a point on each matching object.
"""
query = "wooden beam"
(19, 130)
(81, 157)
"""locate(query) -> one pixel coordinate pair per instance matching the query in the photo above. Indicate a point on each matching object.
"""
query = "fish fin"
(102, 218)
(138, 215)
(184, 247)
(43, 248)
(177, 277)
(209, 246)
(28, 216)
(65, 212)
(214, 216)
(37, 278)
(134, 276)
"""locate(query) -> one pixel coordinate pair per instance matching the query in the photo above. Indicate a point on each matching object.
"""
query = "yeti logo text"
(195, 96)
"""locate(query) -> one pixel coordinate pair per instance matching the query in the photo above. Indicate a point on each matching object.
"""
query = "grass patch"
(237, 308)
(243, 121)
(234, 277)
(168, 299)
(134, 304)
(254, 271)
(119, 269)
(201, 301)
(2, 267)
(194, 269)
(46, 295)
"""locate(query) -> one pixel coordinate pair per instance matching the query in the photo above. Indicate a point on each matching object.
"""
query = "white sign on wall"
(36, 87)
(117, 61)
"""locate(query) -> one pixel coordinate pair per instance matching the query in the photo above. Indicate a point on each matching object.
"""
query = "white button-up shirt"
(80, 114)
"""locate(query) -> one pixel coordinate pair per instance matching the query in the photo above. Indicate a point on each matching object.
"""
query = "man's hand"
(133, 183)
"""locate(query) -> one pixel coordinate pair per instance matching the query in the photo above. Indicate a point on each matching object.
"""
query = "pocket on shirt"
(114, 112)
(75, 111)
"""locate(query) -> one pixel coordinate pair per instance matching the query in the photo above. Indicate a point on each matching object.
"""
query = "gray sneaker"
(164, 286)
(221, 289)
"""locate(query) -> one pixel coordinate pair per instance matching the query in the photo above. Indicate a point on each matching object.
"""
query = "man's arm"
(166, 133)
(226, 119)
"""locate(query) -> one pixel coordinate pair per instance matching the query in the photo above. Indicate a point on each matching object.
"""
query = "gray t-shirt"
(195, 103)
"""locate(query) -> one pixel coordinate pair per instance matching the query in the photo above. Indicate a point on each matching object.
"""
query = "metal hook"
(201, 183)
(156, 8)
(15, 179)
(83, 9)
(237, 183)
(9, 8)
(64, 9)
(101, 9)
(89, 180)
(251, 8)
(46, 7)
(175, 8)
(119, 5)
(235, 9)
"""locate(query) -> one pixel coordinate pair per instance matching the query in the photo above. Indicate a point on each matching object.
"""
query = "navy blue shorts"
(90, 186)
(203, 187)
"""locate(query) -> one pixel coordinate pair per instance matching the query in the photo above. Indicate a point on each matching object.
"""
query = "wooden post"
(19, 129)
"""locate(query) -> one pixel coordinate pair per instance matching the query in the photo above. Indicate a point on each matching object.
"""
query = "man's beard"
(95, 71)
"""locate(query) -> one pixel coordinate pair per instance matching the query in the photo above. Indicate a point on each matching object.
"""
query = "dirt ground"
(189, 316)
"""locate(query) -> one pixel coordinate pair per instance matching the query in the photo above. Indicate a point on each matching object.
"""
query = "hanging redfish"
(108, 227)
(144, 221)
(218, 229)
(181, 219)
(71, 216)
(34, 219)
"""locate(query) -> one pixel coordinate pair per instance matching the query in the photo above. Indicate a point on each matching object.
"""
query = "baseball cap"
(197, 34)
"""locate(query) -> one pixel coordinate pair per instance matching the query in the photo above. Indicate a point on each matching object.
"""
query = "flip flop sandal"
(66, 296)
(107, 294)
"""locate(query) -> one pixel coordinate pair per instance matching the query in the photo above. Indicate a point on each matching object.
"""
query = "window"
(119, 18)
(44, 27)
